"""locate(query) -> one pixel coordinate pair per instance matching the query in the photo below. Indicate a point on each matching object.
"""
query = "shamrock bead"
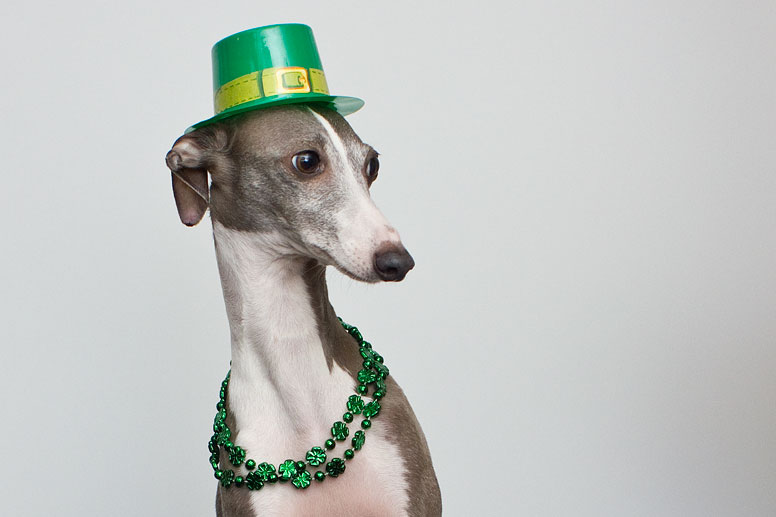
(358, 440)
(302, 479)
(355, 404)
(348, 454)
(320, 476)
(227, 478)
(366, 424)
(335, 467)
(265, 470)
(347, 417)
(254, 481)
(366, 376)
(381, 369)
(223, 435)
(339, 430)
(287, 470)
(316, 456)
(367, 353)
(250, 464)
(329, 444)
(380, 384)
(236, 455)
(371, 409)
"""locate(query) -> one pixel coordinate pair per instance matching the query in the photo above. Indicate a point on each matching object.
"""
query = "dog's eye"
(371, 168)
(306, 162)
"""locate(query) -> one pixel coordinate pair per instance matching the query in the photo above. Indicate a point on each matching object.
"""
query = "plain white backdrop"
(589, 192)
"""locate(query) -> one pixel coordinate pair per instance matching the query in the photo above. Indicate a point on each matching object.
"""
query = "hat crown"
(271, 46)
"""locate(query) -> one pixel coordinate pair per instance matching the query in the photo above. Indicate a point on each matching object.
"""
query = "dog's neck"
(278, 309)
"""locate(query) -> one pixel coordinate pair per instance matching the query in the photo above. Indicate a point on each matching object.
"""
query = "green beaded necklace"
(373, 372)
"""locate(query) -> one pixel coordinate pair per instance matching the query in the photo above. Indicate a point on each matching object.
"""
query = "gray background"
(588, 189)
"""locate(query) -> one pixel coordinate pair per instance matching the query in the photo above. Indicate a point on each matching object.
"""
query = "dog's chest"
(373, 482)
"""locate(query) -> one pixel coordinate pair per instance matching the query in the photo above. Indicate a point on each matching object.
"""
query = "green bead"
(381, 369)
(335, 467)
(377, 395)
(339, 430)
(300, 466)
(366, 424)
(320, 476)
(371, 409)
(355, 404)
(329, 444)
(219, 474)
(366, 344)
(316, 456)
(253, 481)
(347, 417)
(250, 464)
(367, 363)
(368, 353)
(265, 470)
(380, 385)
(227, 478)
(287, 470)
(236, 455)
(220, 405)
(302, 479)
(356, 334)
(224, 435)
(359, 437)
(273, 478)
(366, 376)
(362, 389)
(349, 454)
(238, 481)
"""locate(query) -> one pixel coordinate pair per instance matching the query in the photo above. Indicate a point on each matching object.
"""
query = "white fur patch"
(282, 395)
(361, 227)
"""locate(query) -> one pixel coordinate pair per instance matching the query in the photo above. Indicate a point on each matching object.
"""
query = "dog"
(289, 196)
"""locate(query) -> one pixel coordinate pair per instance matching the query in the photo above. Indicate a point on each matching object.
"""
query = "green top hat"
(270, 66)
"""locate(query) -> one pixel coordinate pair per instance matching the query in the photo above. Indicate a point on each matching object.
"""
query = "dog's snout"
(393, 263)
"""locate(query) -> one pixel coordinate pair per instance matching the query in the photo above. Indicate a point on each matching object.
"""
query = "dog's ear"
(189, 160)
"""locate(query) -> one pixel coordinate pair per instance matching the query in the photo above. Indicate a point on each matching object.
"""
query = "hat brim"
(342, 105)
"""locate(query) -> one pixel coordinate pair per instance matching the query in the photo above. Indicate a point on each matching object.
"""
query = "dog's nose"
(393, 263)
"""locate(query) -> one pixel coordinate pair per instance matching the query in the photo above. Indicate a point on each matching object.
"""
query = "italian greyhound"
(289, 196)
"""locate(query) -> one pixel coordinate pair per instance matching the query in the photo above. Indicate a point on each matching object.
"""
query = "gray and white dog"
(289, 195)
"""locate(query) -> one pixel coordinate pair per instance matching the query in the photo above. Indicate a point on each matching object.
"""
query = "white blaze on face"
(361, 227)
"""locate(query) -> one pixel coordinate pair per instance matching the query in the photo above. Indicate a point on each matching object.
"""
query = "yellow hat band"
(269, 82)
